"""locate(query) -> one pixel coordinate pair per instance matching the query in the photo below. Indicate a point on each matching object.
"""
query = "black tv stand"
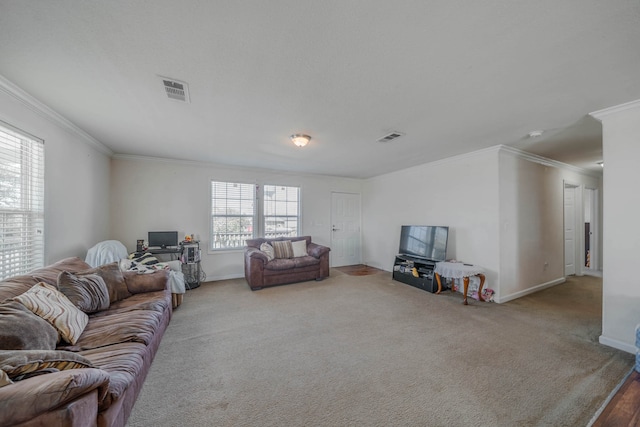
(403, 272)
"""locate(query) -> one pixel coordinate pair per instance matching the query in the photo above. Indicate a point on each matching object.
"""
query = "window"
(21, 202)
(232, 214)
(240, 212)
(281, 210)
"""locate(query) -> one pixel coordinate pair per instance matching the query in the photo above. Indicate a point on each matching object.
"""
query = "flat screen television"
(163, 239)
(424, 241)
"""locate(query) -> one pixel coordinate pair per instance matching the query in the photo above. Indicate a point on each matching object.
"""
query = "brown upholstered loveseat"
(96, 380)
(261, 272)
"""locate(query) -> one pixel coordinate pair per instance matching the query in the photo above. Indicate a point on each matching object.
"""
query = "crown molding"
(545, 161)
(44, 111)
(202, 164)
(601, 114)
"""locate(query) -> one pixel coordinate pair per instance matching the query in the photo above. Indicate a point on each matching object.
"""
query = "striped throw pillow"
(282, 249)
(54, 307)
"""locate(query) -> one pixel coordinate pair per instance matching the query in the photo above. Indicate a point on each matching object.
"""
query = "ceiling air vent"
(390, 137)
(175, 89)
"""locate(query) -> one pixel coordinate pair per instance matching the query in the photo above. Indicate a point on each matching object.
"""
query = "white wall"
(460, 192)
(76, 176)
(532, 221)
(621, 290)
(152, 194)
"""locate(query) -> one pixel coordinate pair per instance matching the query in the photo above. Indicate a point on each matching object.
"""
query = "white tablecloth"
(457, 270)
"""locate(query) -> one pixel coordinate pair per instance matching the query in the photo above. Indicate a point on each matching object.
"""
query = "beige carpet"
(368, 351)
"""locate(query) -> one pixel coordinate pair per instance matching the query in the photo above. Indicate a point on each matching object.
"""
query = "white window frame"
(220, 241)
(277, 206)
(21, 202)
(223, 241)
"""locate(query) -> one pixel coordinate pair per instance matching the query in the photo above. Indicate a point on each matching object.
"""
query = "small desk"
(458, 270)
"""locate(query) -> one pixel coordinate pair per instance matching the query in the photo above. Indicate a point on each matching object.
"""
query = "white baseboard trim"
(532, 290)
(227, 277)
(620, 345)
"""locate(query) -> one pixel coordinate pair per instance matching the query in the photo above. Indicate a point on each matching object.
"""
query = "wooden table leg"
(481, 276)
(466, 289)
(439, 283)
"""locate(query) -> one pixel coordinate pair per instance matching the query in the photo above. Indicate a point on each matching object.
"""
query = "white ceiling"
(455, 76)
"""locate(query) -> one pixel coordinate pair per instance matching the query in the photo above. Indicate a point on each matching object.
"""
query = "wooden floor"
(359, 270)
(624, 408)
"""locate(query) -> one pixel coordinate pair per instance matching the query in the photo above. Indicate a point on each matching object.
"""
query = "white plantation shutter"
(21, 202)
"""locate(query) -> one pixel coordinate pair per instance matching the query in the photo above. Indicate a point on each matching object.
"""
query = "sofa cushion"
(113, 278)
(267, 249)
(280, 264)
(145, 282)
(89, 293)
(19, 364)
(305, 261)
(135, 326)
(53, 306)
(299, 248)
(282, 249)
(21, 329)
(123, 363)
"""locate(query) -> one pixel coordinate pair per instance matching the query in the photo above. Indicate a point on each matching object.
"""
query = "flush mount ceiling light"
(300, 139)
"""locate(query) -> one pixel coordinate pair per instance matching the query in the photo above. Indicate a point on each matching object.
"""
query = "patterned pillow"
(89, 293)
(282, 249)
(268, 251)
(50, 304)
(299, 248)
(19, 364)
(145, 259)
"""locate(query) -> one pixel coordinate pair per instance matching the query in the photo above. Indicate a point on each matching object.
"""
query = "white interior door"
(345, 229)
(569, 230)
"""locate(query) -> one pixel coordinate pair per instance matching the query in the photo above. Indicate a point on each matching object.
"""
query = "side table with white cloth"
(458, 270)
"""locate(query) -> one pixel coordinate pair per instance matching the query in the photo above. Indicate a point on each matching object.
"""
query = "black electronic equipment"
(163, 239)
(424, 241)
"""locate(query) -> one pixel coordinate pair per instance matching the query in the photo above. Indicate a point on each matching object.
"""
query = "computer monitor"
(163, 239)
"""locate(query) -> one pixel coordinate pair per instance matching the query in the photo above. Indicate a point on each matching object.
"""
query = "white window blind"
(232, 214)
(281, 211)
(21, 202)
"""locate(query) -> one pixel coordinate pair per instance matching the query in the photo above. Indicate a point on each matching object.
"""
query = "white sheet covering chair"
(109, 251)
(106, 252)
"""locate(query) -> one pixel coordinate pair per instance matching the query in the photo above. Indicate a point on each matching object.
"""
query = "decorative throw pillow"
(113, 278)
(89, 293)
(282, 249)
(299, 248)
(268, 251)
(50, 304)
(20, 363)
(145, 259)
(21, 329)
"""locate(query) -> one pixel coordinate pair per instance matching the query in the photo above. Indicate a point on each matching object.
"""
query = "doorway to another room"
(581, 230)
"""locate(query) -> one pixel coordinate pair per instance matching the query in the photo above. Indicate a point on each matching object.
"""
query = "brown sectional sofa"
(119, 342)
(261, 272)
